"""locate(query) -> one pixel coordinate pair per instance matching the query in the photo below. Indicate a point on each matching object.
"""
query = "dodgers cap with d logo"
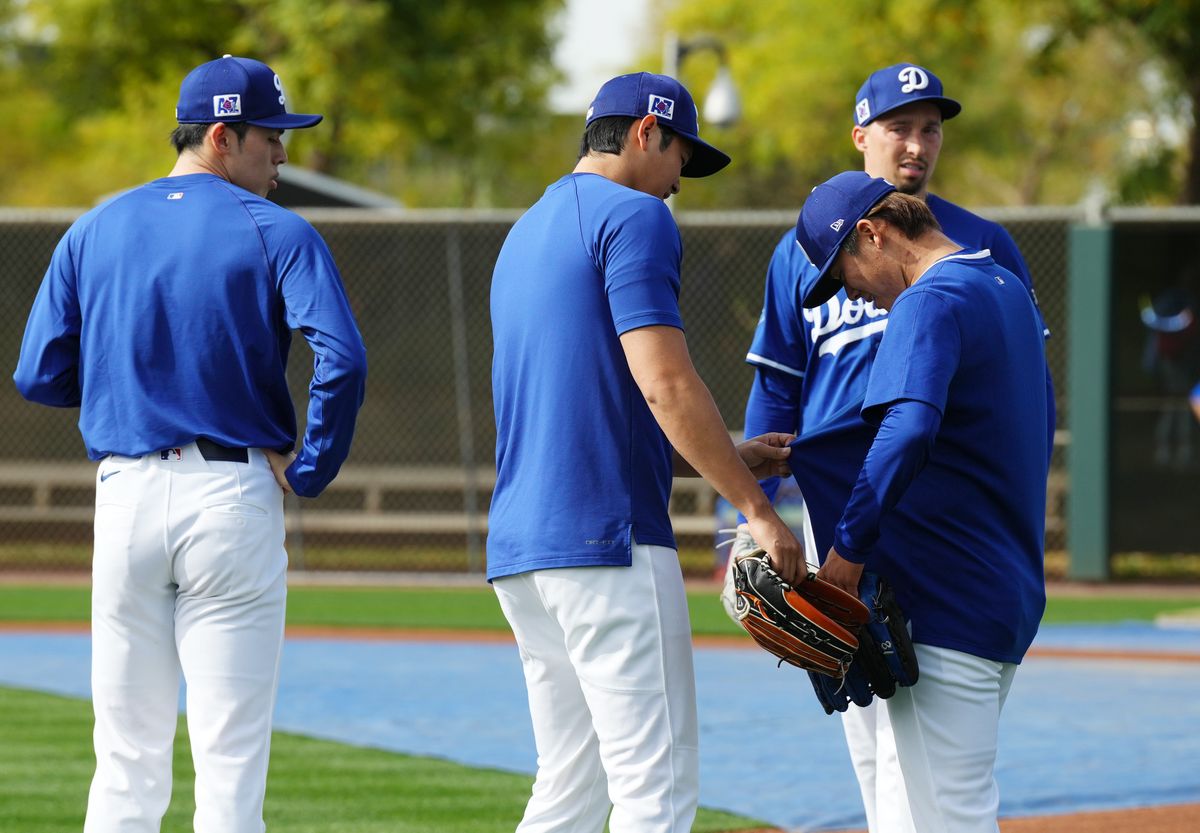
(826, 220)
(233, 89)
(895, 86)
(644, 93)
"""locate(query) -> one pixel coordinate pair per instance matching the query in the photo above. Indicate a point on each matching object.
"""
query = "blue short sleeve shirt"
(582, 467)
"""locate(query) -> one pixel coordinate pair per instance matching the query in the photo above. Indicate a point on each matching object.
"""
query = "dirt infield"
(1175, 818)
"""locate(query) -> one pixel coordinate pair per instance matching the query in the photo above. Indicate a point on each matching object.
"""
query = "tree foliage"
(1170, 31)
(414, 93)
(444, 103)
(1039, 124)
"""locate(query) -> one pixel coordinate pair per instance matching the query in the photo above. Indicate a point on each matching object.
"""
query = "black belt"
(214, 452)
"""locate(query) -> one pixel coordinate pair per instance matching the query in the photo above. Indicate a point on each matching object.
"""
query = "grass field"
(314, 786)
(697, 561)
(475, 608)
(46, 759)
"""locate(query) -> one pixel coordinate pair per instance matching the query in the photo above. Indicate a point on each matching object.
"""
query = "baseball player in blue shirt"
(954, 480)
(811, 364)
(597, 406)
(165, 317)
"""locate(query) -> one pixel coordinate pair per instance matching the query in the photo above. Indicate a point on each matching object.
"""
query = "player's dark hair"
(607, 135)
(907, 213)
(187, 136)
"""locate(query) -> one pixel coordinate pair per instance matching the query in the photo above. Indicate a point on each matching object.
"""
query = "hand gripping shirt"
(826, 350)
(582, 467)
(166, 316)
(813, 364)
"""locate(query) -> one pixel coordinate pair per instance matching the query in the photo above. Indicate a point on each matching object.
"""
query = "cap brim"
(949, 107)
(825, 287)
(287, 121)
(706, 160)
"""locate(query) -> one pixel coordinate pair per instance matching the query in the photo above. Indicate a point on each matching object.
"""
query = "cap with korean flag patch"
(233, 89)
(826, 220)
(644, 93)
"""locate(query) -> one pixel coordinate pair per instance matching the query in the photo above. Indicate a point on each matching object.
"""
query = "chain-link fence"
(415, 490)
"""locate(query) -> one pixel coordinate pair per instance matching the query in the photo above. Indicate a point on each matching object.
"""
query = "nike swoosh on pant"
(109, 474)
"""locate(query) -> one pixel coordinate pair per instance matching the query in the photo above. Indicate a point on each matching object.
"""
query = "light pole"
(722, 107)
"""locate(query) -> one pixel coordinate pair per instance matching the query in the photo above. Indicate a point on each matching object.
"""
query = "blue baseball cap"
(644, 93)
(826, 220)
(233, 89)
(897, 85)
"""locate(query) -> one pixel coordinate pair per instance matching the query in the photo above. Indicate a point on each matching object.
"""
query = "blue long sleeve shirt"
(166, 316)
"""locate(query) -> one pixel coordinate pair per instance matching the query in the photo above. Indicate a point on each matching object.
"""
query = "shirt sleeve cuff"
(853, 554)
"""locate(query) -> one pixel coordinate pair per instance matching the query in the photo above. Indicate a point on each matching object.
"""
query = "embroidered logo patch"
(863, 110)
(171, 455)
(227, 105)
(664, 108)
(837, 224)
(175, 195)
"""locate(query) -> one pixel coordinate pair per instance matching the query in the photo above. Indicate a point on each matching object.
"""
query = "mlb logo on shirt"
(664, 108)
(227, 105)
(171, 455)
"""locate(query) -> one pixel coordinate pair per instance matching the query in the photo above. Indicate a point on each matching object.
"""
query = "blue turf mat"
(1076, 734)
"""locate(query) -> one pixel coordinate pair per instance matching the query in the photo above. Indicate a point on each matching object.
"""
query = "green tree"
(1038, 125)
(414, 93)
(443, 104)
(1169, 30)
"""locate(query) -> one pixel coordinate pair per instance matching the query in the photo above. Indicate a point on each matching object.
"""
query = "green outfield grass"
(314, 786)
(697, 561)
(475, 608)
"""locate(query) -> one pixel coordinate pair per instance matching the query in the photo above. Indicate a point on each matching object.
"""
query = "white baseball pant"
(872, 748)
(946, 728)
(607, 655)
(189, 573)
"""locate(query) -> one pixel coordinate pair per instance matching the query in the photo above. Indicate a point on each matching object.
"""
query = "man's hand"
(767, 455)
(776, 537)
(840, 572)
(279, 463)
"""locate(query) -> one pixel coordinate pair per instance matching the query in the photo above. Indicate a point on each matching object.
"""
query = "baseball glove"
(812, 626)
(742, 544)
(884, 660)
